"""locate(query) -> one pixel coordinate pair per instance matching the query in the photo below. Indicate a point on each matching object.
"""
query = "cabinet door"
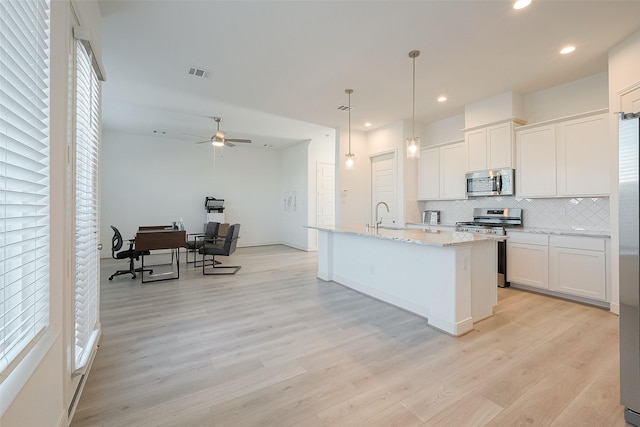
(536, 162)
(500, 146)
(583, 157)
(476, 141)
(528, 264)
(453, 161)
(429, 174)
(578, 272)
(630, 101)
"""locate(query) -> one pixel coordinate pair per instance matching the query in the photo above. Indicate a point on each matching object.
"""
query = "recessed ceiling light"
(567, 49)
(367, 124)
(442, 98)
(521, 4)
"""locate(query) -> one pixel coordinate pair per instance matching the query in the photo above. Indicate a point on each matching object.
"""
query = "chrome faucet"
(378, 223)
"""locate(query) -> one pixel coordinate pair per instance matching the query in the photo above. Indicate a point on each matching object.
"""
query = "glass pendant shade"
(413, 143)
(350, 161)
(413, 148)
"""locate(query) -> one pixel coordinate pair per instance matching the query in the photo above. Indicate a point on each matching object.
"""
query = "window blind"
(24, 177)
(87, 139)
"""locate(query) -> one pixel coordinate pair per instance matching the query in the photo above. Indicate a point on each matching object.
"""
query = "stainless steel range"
(494, 221)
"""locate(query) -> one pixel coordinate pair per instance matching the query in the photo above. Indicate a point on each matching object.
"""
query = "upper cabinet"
(441, 172)
(491, 147)
(536, 162)
(566, 158)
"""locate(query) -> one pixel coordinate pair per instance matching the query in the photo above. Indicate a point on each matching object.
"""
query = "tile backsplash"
(561, 213)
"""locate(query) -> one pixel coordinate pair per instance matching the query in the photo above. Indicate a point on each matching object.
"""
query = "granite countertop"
(418, 236)
(562, 232)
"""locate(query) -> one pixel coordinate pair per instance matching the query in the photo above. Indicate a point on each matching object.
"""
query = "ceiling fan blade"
(202, 142)
(228, 144)
(248, 141)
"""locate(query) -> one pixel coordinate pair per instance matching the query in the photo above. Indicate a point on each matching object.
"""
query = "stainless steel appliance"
(494, 221)
(431, 217)
(628, 221)
(496, 182)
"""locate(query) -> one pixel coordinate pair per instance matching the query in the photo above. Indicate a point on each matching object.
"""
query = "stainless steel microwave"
(496, 182)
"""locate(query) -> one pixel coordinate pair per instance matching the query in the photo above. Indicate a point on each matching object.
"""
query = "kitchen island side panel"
(436, 282)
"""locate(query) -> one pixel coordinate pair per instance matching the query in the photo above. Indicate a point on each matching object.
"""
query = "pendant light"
(413, 143)
(350, 162)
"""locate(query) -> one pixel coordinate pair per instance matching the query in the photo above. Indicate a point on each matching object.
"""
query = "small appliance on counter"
(431, 217)
(494, 221)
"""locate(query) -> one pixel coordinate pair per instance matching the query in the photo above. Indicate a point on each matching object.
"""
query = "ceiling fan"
(218, 139)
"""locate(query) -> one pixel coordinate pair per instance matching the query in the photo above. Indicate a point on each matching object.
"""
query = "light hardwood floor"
(275, 346)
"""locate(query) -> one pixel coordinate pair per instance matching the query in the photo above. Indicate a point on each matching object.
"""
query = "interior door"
(384, 188)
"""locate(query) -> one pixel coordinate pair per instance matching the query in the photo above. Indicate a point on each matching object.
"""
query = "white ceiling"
(280, 68)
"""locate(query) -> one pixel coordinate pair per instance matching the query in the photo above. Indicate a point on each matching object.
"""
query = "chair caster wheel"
(134, 276)
(111, 278)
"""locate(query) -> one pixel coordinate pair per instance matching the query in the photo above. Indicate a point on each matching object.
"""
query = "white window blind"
(87, 140)
(24, 177)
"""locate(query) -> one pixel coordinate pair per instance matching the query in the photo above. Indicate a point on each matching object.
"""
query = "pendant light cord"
(349, 92)
(413, 54)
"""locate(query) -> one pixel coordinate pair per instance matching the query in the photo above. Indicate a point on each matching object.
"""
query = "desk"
(149, 239)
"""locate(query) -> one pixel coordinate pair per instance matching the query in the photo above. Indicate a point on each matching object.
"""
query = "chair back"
(116, 242)
(211, 231)
(231, 239)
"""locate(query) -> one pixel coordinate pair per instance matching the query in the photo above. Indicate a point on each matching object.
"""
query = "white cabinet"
(630, 101)
(429, 174)
(577, 266)
(528, 259)
(567, 158)
(441, 172)
(536, 162)
(570, 265)
(490, 147)
(583, 156)
(453, 160)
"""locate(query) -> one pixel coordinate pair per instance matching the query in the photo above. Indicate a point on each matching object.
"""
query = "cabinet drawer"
(577, 242)
(528, 238)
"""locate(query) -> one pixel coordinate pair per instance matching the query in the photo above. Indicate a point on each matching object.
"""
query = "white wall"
(579, 96)
(294, 180)
(624, 71)
(352, 186)
(445, 130)
(38, 391)
(148, 180)
(321, 150)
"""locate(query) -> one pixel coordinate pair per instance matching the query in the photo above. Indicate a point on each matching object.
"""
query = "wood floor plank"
(275, 346)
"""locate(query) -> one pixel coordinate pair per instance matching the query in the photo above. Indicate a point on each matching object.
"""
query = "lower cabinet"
(572, 265)
(577, 266)
(528, 259)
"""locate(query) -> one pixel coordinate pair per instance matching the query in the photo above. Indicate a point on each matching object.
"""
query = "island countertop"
(417, 236)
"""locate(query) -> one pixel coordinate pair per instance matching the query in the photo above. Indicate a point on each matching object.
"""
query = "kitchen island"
(447, 277)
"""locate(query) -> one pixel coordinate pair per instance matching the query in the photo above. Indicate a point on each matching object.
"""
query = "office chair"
(116, 245)
(219, 247)
(196, 240)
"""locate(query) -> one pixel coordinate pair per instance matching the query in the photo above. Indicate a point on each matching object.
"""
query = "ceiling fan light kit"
(218, 139)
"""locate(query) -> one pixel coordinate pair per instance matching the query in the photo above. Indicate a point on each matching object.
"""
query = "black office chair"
(219, 247)
(116, 245)
(196, 240)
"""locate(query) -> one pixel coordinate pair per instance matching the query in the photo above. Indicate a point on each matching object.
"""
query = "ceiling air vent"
(199, 72)
(345, 108)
